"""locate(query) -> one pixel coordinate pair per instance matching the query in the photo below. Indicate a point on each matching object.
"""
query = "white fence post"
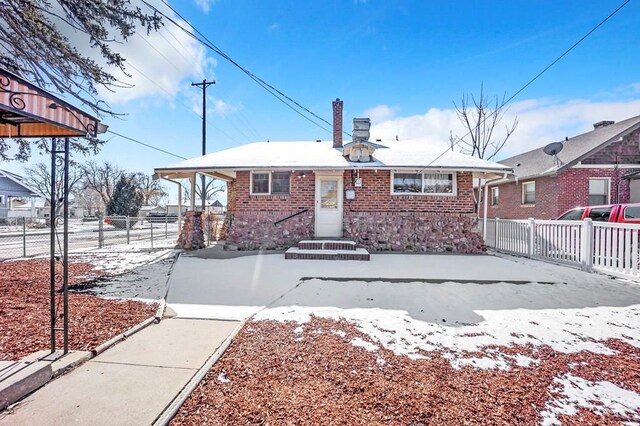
(497, 234)
(532, 237)
(586, 245)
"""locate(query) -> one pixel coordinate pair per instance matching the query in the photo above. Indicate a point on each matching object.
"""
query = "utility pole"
(204, 86)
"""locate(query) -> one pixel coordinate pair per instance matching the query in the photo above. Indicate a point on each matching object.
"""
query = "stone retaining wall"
(413, 232)
(252, 230)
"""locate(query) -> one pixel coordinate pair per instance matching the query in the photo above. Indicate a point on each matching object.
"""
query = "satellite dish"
(553, 148)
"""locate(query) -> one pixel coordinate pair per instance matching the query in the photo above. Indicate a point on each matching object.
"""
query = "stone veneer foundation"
(414, 232)
(377, 231)
(192, 234)
(254, 230)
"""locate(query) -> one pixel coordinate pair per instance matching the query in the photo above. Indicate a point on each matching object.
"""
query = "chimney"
(337, 123)
(600, 124)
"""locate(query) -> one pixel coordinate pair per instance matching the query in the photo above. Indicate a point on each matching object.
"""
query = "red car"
(619, 213)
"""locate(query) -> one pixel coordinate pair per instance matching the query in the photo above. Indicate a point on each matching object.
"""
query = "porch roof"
(322, 156)
(27, 111)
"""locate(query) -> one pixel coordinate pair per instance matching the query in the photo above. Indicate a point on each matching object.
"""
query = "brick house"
(601, 166)
(384, 195)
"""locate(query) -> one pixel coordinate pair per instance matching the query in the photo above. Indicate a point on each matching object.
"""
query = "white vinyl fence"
(612, 248)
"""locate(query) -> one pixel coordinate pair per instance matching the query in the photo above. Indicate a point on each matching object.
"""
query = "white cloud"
(541, 121)
(157, 63)
(205, 5)
(273, 27)
(380, 113)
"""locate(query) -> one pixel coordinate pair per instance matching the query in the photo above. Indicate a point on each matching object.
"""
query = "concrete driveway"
(428, 287)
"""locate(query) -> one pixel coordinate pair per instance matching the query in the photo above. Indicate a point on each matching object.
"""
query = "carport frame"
(28, 111)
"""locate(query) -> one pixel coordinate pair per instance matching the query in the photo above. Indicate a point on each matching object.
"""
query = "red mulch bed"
(25, 312)
(276, 378)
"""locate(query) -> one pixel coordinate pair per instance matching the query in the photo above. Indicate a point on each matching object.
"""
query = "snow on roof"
(321, 155)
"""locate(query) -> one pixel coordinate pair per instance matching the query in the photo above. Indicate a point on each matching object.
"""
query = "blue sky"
(403, 63)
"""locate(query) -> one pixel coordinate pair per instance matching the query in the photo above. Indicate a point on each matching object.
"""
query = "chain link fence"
(26, 237)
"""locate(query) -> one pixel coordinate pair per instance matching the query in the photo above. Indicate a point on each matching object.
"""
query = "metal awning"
(28, 111)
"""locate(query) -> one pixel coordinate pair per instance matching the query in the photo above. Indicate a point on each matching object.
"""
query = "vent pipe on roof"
(361, 128)
(600, 124)
(337, 123)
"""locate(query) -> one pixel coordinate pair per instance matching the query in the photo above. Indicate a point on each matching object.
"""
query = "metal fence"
(612, 248)
(31, 237)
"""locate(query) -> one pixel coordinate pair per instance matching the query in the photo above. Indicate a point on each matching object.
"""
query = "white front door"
(329, 205)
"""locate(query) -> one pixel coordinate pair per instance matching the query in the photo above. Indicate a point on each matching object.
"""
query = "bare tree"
(34, 44)
(210, 190)
(39, 178)
(89, 199)
(101, 178)
(481, 117)
(152, 191)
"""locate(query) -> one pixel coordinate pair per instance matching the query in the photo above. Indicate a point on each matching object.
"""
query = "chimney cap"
(603, 123)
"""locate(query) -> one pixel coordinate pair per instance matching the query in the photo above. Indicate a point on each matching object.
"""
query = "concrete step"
(307, 254)
(327, 245)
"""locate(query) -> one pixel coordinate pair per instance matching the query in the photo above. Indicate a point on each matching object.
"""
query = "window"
(575, 214)
(600, 214)
(424, 183)
(260, 183)
(274, 183)
(280, 183)
(529, 193)
(598, 191)
(495, 196)
(1, 199)
(632, 213)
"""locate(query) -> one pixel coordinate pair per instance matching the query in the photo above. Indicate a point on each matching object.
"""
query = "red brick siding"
(626, 151)
(574, 185)
(375, 195)
(510, 201)
(302, 195)
(555, 195)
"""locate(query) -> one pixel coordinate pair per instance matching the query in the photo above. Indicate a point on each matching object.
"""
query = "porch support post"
(192, 181)
(65, 248)
(52, 246)
(484, 222)
(33, 207)
(179, 204)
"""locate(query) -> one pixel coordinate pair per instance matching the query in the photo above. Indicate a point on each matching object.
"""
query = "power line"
(147, 145)
(278, 94)
(573, 46)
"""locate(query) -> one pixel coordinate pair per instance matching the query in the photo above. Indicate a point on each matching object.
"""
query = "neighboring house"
(146, 210)
(396, 195)
(210, 207)
(598, 167)
(216, 207)
(15, 193)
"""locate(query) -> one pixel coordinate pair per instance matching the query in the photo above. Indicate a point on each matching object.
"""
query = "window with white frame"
(1, 199)
(270, 183)
(424, 183)
(495, 196)
(529, 193)
(599, 189)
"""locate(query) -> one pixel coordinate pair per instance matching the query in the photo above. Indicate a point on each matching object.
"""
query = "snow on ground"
(564, 330)
(600, 397)
(122, 258)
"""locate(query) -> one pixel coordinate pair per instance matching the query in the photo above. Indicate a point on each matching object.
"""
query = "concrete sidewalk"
(129, 384)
